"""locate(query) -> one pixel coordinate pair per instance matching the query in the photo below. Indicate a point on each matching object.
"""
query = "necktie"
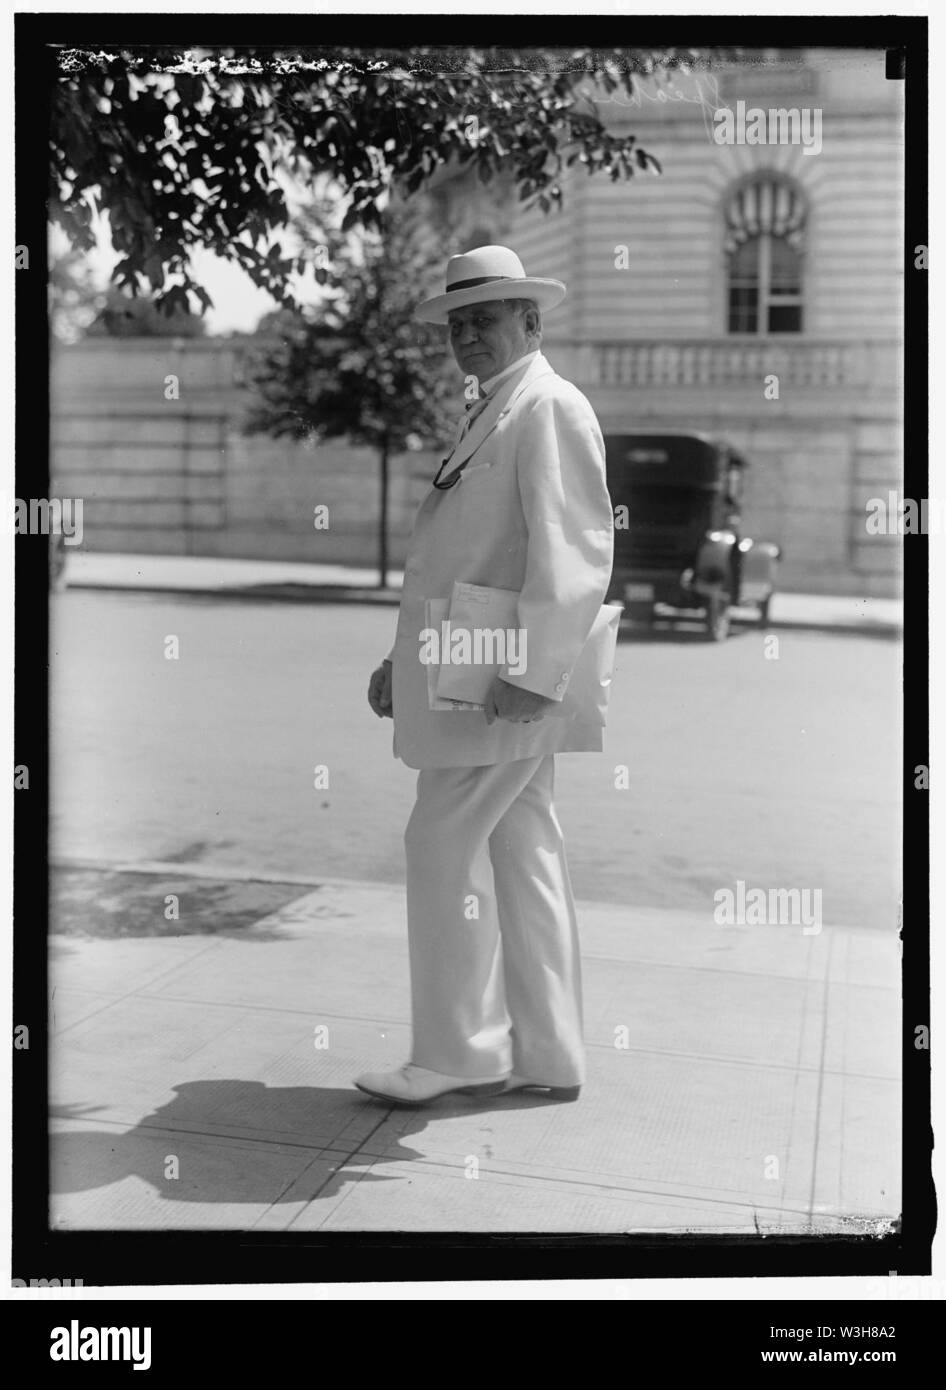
(473, 409)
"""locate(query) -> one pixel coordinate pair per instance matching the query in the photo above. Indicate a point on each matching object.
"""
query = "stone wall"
(179, 476)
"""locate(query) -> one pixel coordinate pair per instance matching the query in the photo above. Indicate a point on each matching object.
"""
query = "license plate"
(638, 592)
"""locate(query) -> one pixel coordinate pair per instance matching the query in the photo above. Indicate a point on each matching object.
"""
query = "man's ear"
(534, 325)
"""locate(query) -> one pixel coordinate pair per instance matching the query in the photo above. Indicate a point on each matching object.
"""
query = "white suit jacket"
(531, 513)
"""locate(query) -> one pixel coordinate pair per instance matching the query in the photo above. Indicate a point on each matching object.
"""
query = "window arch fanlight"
(764, 236)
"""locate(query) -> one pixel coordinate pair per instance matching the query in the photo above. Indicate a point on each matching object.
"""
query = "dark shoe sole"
(551, 1092)
(489, 1088)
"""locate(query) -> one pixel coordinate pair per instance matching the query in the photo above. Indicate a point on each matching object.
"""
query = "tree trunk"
(383, 521)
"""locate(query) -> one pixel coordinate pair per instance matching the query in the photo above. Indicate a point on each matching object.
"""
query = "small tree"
(365, 370)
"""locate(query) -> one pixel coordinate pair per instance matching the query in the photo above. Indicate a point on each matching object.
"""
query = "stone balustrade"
(731, 363)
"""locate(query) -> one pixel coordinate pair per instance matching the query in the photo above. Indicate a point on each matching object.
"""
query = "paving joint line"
(358, 1177)
(359, 1019)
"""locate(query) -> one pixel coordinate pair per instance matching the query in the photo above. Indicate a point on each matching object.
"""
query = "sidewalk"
(341, 584)
(740, 1079)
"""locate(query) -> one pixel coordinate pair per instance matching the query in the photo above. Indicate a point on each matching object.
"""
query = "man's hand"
(379, 691)
(511, 702)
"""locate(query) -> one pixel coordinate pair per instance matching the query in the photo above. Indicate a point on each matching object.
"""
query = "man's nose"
(468, 334)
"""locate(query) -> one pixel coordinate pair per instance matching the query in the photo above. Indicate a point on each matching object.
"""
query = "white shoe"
(411, 1085)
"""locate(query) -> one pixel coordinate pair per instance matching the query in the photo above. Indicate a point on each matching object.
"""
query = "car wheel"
(717, 617)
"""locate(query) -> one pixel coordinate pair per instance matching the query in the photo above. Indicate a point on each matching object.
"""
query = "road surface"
(781, 771)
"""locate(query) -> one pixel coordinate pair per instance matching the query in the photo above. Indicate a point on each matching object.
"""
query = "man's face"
(486, 338)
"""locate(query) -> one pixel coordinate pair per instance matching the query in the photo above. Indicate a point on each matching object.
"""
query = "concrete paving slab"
(165, 1032)
(753, 1089)
(408, 1197)
(68, 1006)
(862, 1033)
(122, 967)
(857, 1174)
(349, 927)
(705, 1127)
(425, 1184)
(754, 1018)
(866, 958)
(257, 1074)
(670, 937)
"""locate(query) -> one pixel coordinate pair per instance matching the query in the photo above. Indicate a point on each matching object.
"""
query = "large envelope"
(435, 613)
(480, 606)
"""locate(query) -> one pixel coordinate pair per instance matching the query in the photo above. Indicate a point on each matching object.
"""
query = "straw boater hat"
(488, 273)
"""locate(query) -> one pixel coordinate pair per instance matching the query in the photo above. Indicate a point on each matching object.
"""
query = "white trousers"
(494, 953)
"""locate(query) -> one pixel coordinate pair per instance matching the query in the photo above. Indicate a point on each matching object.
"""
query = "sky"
(238, 304)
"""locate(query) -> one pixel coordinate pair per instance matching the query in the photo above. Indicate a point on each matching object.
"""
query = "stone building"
(751, 290)
(740, 262)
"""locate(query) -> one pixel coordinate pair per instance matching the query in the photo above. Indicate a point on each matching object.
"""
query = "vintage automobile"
(677, 537)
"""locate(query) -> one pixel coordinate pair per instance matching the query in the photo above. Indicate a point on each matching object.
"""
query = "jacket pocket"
(476, 469)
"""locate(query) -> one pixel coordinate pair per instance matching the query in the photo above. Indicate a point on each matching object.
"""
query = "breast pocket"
(477, 469)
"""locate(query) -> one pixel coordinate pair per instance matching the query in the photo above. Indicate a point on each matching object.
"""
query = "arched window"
(765, 220)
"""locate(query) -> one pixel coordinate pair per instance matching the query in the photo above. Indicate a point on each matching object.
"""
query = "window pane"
(786, 266)
(743, 310)
(765, 274)
(744, 288)
(784, 318)
(744, 261)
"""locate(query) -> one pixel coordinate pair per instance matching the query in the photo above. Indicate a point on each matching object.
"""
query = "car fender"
(759, 567)
(713, 567)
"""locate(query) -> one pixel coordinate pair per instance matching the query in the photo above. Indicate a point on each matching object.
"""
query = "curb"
(264, 593)
(335, 593)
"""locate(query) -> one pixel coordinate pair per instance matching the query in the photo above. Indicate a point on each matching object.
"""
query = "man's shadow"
(245, 1143)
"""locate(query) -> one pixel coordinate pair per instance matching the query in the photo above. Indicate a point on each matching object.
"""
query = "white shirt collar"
(487, 386)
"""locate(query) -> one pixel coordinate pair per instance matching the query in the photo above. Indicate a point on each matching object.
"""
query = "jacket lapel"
(505, 396)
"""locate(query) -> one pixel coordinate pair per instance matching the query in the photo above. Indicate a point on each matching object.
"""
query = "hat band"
(479, 280)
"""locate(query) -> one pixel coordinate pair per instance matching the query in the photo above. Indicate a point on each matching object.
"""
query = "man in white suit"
(520, 504)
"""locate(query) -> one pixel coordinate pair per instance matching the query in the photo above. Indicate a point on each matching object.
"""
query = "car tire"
(717, 617)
